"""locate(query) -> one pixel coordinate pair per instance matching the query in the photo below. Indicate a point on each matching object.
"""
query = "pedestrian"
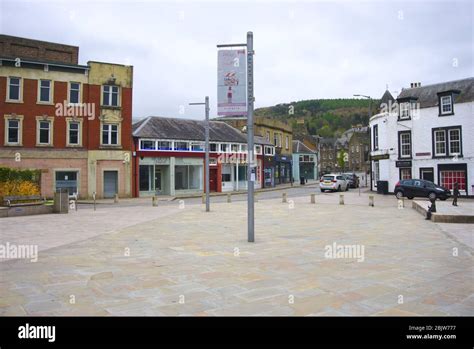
(455, 194)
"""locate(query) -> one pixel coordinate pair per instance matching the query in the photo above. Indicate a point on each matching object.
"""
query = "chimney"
(415, 84)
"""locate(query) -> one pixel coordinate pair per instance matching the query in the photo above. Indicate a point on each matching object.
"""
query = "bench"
(23, 200)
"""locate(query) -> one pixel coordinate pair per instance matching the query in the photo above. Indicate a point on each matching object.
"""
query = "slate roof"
(300, 147)
(427, 95)
(187, 129)
(386, 98)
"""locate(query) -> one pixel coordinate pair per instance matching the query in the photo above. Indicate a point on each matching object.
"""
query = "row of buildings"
(74, 123)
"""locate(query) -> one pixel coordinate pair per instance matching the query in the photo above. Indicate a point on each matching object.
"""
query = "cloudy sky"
(304, 50)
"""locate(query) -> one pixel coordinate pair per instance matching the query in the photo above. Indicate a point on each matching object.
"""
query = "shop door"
(158, 188)
(213, 179)
(110, 184)
(427, 174)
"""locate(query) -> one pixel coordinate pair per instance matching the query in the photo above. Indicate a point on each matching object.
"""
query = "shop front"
(283, 171)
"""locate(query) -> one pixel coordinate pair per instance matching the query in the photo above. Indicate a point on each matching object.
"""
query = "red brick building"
(72, 121)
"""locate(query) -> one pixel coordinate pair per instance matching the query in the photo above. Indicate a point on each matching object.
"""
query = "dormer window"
(446, 103)
(404, 110)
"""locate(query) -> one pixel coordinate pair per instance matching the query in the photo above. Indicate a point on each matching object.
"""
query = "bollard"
(93, 196)
(283, 198)
(341, 199)
(371, 200)
(154, 201)
(116, 199)
(401, 203)
(313, 200)
(229, 198)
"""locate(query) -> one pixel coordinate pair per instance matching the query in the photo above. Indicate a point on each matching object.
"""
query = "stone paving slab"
(172, 261)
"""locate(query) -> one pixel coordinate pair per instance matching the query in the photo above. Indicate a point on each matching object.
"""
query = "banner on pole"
(231, 82)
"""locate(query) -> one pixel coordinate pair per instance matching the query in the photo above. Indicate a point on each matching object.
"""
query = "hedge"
(12, 174)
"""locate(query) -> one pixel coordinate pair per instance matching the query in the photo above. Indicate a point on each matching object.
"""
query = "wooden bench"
(23, 200)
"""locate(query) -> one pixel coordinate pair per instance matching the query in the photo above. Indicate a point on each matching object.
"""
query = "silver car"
(333, 182)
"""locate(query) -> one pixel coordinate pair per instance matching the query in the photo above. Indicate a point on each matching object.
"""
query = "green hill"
(324, 117)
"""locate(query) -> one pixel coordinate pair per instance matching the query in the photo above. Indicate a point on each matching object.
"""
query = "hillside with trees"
(323, 117)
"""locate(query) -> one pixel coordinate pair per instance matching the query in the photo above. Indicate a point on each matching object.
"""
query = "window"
(448, 178)
(147, 144)
(404, 110)
(14, 89)
(376, 172)
(45, 91)
(110, 95)
(269, 151)
(13, 131)
(375, 132)
(197, 146)
(352, 149)
(243, 148)
(187, 177)
(258, 149)
(357, 149)
(279, 140)
(213, 147)
(109, 134)
(74, 92)
(44, 132)
(454, 141)
(66, 180)
(446, 103)
(447, 141)
(183, 146)
(275, 139)
(224, 148)
(234, 148)
(440, 142)
(73, 135)
(405, 144)
(287, 142)
(405, 173)
(164, 145)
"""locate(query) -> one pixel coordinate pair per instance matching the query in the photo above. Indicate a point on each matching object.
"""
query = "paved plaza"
(176, 259)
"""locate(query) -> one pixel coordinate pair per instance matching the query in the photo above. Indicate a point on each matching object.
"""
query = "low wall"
(25, 210)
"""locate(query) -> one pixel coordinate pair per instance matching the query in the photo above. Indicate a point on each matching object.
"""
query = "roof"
(300, 147)
(386, 98)
(187, 129)
(427, 95)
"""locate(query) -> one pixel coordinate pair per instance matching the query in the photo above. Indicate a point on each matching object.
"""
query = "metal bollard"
(313, 199)
(116, 199)
(229, 198)
(154, 201)
(341, 199)
(283, 198)
(371, 200)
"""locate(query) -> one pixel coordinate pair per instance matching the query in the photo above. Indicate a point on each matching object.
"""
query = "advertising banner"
(231, 82)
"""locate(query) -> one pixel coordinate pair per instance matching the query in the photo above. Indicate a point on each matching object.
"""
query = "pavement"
(446, 212)
(176, 259)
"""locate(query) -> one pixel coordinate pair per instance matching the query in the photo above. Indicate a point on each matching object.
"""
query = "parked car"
(353, 180)
(420, 188)
(333, 182)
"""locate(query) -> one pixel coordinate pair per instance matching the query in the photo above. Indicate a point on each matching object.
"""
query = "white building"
(427, 133)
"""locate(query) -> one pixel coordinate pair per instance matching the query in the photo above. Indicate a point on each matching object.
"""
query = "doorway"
(158, 178)
(427, 173)
(213, 179)
(110, 184)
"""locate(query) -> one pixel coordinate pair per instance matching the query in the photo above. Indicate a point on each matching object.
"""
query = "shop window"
(405, 173)
(448, 178)
(187, 177)
(164, 145)
(183, 146)
(67, 180)
(147, 145)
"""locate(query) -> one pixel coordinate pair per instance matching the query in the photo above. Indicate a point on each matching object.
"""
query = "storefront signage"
(404, 163)
(423, 154)
(379, 157)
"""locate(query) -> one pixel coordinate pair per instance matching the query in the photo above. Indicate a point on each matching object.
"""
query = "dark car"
(420, 188)
(352, 179)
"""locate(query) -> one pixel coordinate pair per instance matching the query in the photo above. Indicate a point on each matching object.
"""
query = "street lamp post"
(370, 137)
(206, 183)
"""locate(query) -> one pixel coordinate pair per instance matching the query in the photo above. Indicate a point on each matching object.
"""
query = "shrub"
(19, 187)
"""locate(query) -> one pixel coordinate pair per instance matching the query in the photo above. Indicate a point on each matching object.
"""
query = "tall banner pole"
(251, 168)
(207, 152)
